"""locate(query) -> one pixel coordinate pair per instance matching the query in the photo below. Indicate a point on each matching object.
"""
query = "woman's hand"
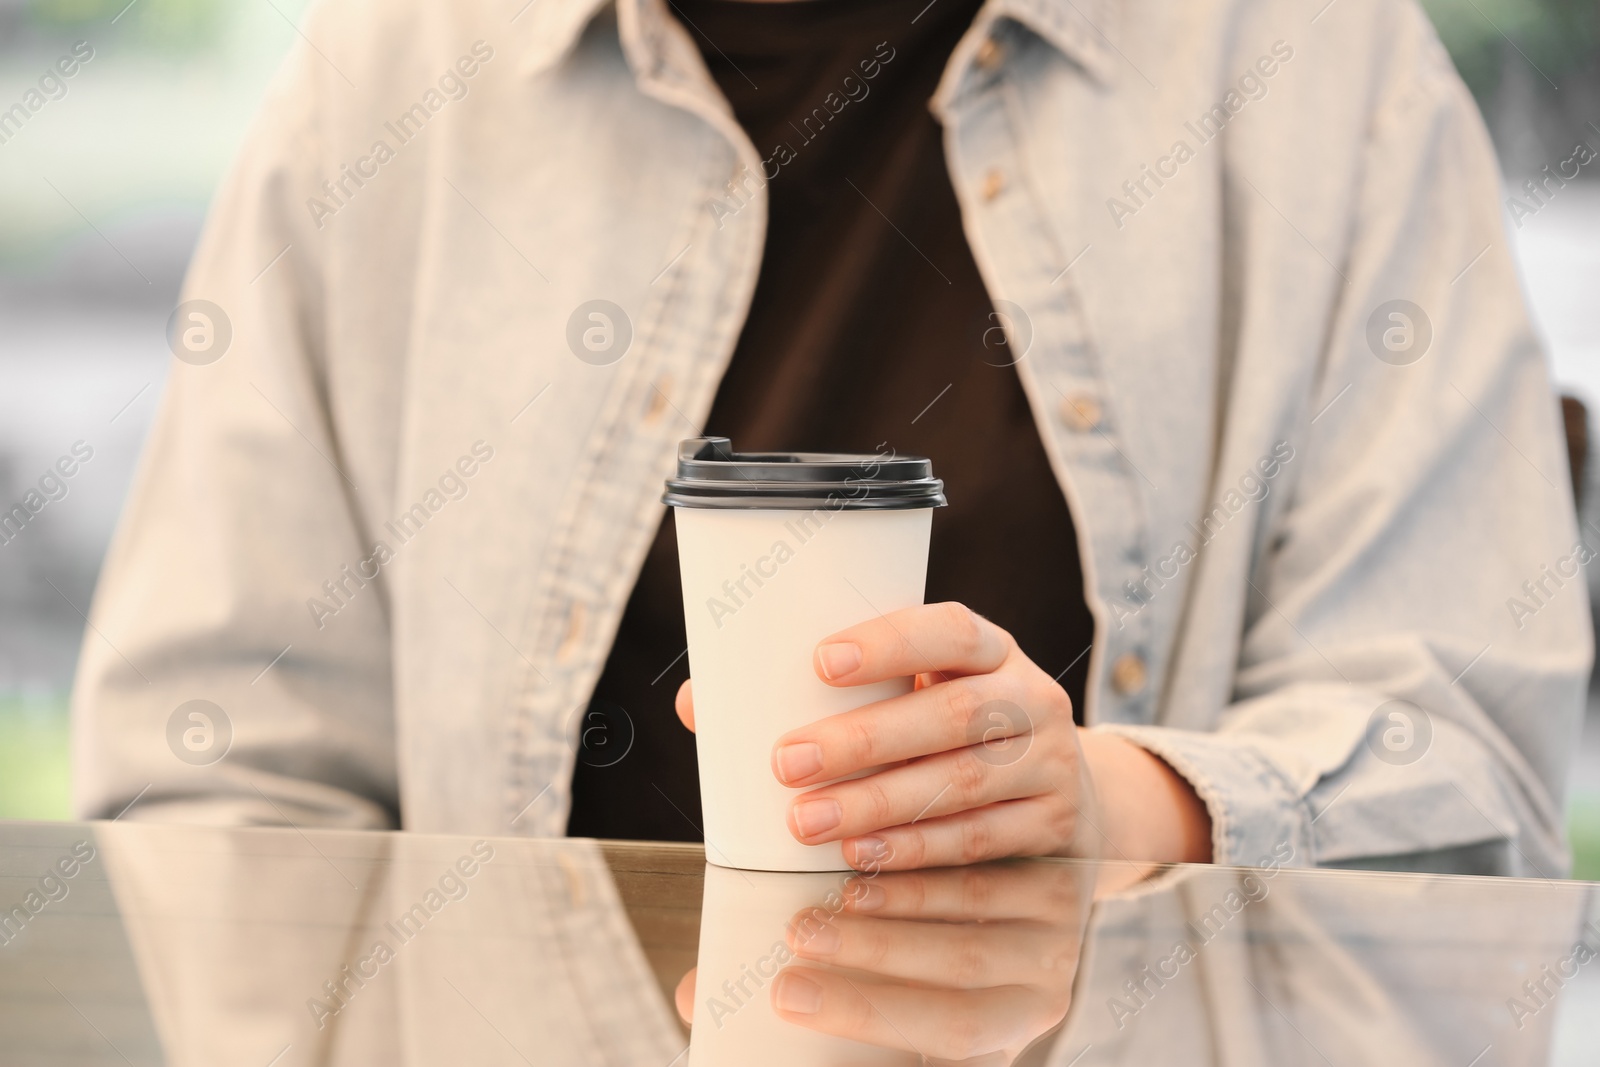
(982, 760)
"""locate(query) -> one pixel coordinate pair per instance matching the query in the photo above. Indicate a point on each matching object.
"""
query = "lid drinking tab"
(712, 475)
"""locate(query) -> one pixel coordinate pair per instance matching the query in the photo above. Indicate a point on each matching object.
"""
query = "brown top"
(870, 326)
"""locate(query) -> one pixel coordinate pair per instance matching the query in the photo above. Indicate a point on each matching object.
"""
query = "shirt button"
(574, 635)
(1081, 411)
(990, 53)
(993, 183)
(658, 399)
(1128, 674)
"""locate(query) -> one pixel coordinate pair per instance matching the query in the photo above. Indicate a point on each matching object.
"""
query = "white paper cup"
(777, 552)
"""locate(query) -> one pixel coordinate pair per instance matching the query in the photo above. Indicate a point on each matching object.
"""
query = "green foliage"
(1558, 37)
(1583, 827)
(35, 768)
(161, 24)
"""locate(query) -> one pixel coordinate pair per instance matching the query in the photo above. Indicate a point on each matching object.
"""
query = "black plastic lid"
(712, 475)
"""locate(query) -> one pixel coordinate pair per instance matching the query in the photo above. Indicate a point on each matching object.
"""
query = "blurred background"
(104, 188)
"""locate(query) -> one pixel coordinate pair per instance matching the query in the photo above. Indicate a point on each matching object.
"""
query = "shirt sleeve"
(1416, 638)
(246, 502)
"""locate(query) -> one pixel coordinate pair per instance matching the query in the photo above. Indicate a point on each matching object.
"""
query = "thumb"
(683, 996)
(684, 704)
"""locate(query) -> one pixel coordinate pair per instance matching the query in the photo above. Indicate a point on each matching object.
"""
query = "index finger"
(946, 640)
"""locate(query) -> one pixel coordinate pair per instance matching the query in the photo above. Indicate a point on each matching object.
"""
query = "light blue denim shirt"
(1273, 341)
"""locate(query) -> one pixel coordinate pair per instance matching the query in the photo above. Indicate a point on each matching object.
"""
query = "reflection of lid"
(712, 475)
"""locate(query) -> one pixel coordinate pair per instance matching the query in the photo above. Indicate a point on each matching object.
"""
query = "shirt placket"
(684, 338)
(1026, 263)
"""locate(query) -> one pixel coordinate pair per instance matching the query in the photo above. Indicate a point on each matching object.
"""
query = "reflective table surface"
(141, 944)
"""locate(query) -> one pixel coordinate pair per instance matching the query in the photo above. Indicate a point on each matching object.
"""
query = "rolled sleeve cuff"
(1257, 818)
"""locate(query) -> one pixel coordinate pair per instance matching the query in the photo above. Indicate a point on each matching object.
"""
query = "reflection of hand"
(966, 965)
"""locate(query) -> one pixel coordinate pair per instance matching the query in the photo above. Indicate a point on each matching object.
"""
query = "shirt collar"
(550, 28)
(1082, 30)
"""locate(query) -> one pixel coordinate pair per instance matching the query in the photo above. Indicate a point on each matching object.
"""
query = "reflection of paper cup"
(777, 551)
(744, 917)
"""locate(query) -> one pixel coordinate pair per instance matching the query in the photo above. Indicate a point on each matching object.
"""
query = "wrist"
(1146, 810)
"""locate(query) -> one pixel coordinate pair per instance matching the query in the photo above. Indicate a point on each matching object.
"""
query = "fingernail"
(800, 995)
(820, 939)
(870, 850)
(838, 659)
(867, 897)
(799, 760)
(817, 816)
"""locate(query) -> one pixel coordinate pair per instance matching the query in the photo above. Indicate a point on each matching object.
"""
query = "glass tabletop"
(143, 944)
